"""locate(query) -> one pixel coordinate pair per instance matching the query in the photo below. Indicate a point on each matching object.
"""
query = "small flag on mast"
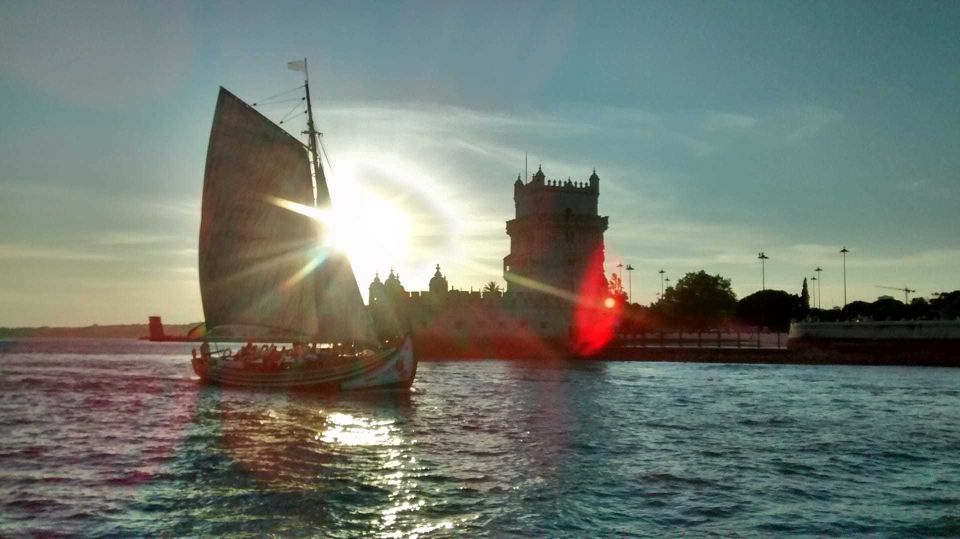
(298, 65)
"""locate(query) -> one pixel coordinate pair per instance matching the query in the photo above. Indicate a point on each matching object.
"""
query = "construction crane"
(906, 292)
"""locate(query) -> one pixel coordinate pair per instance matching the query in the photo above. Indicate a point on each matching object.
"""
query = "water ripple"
(115, 438)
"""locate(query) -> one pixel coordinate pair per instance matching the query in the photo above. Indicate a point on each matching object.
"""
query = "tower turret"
(376, 289)
(539, 176)
(392, 284)
(438, 283)
(595, 182)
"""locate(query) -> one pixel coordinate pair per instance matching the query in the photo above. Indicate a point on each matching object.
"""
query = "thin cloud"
(12, 251)
(788, 125)
(828, 254)
(190, 208)
(431, 118)
(186, 251)
(702, 235)
(809, 121)
(698, 147)
(174, 270)
(912, 185)
(922, 259)
(135, 239)
(723, 121)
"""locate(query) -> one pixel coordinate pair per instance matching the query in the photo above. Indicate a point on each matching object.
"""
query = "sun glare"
(387, 213)
(388, 208)
(369, 229)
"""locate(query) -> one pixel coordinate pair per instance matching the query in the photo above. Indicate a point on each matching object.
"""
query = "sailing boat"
(265, 274)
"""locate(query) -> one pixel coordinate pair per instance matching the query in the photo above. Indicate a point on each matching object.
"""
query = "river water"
(117, 438)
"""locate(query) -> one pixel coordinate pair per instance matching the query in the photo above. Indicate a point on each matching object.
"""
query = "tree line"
(701, 302)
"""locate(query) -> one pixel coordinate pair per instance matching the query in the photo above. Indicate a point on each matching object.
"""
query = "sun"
(369, 229)
(385, 213)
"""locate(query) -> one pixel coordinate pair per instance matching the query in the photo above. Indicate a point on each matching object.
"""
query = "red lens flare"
(596, 314)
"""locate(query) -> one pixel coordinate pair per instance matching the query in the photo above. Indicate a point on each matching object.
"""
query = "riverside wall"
(876, 343)
(924, 330)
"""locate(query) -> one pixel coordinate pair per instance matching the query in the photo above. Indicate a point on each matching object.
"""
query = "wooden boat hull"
(391, 369)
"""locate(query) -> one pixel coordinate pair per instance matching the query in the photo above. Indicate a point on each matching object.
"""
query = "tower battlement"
(552, 196)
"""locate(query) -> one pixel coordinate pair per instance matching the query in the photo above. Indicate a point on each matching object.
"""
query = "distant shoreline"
(94, 331)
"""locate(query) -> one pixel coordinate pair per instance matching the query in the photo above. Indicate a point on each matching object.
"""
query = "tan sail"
(261, 265)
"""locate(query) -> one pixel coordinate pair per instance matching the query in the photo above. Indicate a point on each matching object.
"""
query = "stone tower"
(556, 231)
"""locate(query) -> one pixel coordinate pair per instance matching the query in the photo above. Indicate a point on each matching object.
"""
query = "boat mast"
(313, 143)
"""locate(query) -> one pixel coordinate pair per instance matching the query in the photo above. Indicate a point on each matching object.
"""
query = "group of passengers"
(270, 358)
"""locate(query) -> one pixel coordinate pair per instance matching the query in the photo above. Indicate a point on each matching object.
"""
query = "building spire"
(525, 160)
(538, 177)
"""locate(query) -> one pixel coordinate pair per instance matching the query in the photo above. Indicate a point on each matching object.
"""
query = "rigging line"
(263, 104)
(289, 114)
(326, 155)
(278, 95)
(293, 113)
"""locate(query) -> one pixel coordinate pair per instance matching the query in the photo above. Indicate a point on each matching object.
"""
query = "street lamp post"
(819, 278)
(844, 252)
(763, 273)
(661, 272)
(816, 301)
(630, 285)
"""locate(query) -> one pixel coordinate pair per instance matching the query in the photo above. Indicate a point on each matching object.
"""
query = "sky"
(718, 129)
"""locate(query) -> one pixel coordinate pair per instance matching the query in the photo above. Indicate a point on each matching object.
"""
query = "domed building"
(556, 249)
(376, 289)
(438, 286)
(389, 306)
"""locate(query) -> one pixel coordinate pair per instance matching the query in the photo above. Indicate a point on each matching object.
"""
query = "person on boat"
(272, 361)
(204, 350)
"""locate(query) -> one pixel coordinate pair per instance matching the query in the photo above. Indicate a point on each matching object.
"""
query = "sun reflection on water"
(345, 429)
(396, 472)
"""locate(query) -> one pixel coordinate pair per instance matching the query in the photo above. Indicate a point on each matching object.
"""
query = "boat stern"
(398, 370)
